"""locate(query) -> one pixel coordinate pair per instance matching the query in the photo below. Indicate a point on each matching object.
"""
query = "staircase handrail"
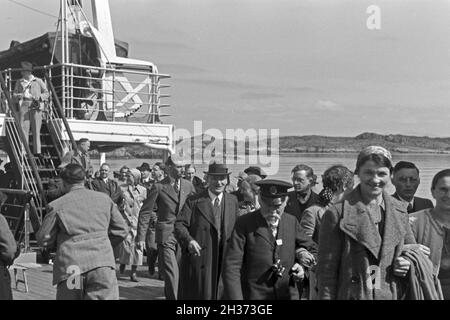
(61, 113)
(24, 141)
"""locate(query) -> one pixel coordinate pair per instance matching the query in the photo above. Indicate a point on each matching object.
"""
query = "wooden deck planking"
(41, 288)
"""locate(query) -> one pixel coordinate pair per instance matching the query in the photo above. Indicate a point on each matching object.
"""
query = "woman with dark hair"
(431, 228)
(337, 182)
(361, 239)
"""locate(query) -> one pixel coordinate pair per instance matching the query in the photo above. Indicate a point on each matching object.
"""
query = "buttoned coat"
(168, 206)
(8, 250)
(251, 253)
(355, 262)
(200, 276)
(83, 226)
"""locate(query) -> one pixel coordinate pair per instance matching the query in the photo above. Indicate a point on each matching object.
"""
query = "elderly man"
(262, 259)
(106, 185)
(169, 196)
(203, 229)
(8, 250)
(406, 180)
(83, 226)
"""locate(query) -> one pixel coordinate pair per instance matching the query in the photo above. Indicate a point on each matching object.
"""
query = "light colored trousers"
(97, 284)
(31, 119)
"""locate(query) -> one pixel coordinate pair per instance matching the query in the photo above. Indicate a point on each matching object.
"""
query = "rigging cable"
(33, 9)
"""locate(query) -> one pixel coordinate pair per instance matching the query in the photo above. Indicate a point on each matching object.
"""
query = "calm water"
(429, 164)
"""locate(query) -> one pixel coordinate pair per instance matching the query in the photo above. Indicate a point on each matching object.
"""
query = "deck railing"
(104, 93)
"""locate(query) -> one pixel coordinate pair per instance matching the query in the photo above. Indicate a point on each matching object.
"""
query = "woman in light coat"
(133, 195)
(362, 238)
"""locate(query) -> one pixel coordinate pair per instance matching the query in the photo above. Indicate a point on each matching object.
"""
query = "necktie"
(217, 216)
(410, 208)
(83, 161)
(176, 187)
(217, 202)
(273, 228)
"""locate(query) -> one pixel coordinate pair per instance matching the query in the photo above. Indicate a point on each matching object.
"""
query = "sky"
(304, 67)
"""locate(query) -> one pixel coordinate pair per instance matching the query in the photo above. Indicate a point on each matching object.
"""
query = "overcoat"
(252, 252)
(7, 254)
(355, 261)
(200, 275)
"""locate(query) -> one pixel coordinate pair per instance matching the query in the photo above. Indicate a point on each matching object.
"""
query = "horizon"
(288, 64)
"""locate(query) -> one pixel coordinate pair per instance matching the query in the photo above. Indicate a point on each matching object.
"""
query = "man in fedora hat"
(256, 170)
(262, 258)
(146, 175)
(30, 94)
(169, 196)
(203, 229)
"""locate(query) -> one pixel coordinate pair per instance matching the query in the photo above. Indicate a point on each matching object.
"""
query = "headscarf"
(136, 175)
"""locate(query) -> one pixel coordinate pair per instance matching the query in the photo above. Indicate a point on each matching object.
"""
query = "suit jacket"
(355, 261)
(295, 208)
(37, 89)
(111, 188)
(83, 226)
(168, 205)
(200, 276)
(419, 203)
(77, 158)
(251, 253)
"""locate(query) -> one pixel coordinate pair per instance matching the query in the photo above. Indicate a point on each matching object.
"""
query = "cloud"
(259, 96)
(327, 105)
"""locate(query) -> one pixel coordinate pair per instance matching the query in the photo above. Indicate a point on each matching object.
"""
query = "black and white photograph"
(224, 154)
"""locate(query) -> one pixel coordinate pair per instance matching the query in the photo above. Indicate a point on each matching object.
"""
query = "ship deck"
(40, 285)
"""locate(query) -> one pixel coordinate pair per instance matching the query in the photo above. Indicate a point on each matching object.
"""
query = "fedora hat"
(217, 169)
(256, 170)
(144, 167)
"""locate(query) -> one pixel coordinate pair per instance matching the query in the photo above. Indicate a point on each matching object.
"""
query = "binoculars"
(278, 269)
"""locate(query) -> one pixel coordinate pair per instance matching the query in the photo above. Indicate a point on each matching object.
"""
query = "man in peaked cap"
(169, 196)
(261, 262)
(203, 229)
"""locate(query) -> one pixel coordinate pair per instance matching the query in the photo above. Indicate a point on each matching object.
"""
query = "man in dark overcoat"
(203, 229)
(8, 251)
(168, 197)
(261, 261)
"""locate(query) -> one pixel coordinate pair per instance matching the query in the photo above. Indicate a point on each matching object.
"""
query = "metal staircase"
(35, 173)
